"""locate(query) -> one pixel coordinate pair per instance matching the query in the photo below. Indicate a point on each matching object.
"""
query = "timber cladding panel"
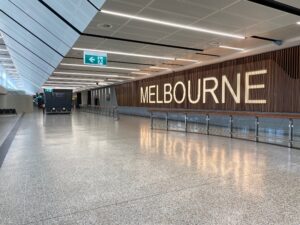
(274, 79)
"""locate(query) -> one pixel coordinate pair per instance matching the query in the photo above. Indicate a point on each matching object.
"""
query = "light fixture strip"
(57, 81)
(140, 73)
(74, 79)
(93, 74)
(170, 24)
(232, 48)
(102, 67)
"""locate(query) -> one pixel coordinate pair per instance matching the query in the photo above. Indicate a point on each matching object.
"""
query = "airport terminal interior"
(149, 112)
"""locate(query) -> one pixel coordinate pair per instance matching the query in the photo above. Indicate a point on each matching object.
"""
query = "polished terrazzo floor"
(88, 169)
(7, 122)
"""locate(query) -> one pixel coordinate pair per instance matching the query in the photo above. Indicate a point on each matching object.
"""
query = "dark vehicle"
(58, 101)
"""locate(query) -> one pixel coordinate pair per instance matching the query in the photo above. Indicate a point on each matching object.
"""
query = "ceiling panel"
(181, 8)
(212, 4)
(124, 7)
(79, 13)
(285, 20)
(47, 20)
(260, 28)
(231, 19)
(37, 38)
(252, 11)
(141, 3)
(294, 3)
(231, 16)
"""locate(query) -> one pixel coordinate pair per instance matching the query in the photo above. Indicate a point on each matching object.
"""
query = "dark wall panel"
(281, 92)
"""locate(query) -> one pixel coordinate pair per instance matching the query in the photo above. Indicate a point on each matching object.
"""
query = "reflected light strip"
(165, 23)
(5, 58)
(159, 68)
(3, 50)
(232, 48)
(93, 74)
(125, 53)
(102, 67)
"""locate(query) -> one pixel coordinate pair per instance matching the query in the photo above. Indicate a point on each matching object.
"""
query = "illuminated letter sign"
(197, 93)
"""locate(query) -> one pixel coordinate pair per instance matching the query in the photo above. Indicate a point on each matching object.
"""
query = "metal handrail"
(111, 111)
(231, 130)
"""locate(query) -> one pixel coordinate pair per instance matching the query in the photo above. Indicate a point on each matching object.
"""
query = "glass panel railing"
(176, 122)
(197, 124)
(219, 125)
(281, 130)
(296, 133)
(243, 127)
(275, 131)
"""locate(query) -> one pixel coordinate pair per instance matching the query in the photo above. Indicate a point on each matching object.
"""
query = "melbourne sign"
(267, 82)
(219, 89)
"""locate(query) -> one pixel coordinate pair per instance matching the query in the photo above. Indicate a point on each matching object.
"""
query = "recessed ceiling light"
(102, 67)
(159, 68)
(166, 23)
(298, 23)
(232, 48)
(105, 26)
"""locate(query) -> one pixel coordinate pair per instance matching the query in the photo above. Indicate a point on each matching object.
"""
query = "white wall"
(2, 90)
(22, 103)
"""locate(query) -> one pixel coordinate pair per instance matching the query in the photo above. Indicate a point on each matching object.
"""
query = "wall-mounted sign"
(205, 88)
(95, 58)
(266, 82)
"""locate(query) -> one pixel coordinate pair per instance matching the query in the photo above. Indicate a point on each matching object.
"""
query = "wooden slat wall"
(282, 90)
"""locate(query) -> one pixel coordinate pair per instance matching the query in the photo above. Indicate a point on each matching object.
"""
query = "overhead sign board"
(95, 58)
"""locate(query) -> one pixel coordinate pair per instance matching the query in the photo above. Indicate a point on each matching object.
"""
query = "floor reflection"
(217, 159)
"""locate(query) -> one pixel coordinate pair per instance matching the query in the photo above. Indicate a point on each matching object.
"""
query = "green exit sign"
(48, 89)
(95, 58)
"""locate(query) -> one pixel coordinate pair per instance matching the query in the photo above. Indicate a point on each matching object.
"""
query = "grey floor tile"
(88, 169)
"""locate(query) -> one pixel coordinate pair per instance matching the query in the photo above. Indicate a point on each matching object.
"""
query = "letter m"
(144, 95)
